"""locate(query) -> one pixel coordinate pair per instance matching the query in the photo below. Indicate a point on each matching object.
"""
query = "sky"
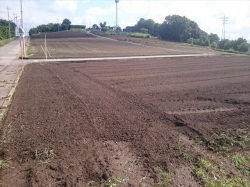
(207, 14)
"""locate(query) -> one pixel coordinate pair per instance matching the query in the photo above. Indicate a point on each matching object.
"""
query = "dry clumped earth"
(158, 122)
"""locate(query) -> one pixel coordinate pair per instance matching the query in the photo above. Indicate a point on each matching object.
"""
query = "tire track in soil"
(92, 129)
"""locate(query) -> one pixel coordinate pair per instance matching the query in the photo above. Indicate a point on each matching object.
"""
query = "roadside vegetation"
(4, 32)
(6, 41)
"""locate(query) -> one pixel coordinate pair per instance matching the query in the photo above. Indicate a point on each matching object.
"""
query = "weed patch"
(114, 181)
(45, 156)
(166, 179)
(242, 163)
(210, 177)
(3, 164)
(228, 141)
(185, 155)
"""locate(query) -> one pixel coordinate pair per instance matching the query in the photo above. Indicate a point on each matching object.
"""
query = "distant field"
(81, 45)
(156, 42)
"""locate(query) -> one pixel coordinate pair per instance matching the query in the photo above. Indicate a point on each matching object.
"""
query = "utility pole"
(116, 1)
(57, 25)
(24, 51)
(21, 13)
(224, 22)
(8, 9)
(16, 25)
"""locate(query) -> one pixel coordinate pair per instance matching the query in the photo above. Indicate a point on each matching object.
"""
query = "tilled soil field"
(171, 46)
(82, 45)
(123, 123)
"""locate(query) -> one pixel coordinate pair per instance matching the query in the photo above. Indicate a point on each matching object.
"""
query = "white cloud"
(206, 13)
(69, 5)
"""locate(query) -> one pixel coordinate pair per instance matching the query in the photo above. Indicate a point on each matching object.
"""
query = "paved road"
(10, 67)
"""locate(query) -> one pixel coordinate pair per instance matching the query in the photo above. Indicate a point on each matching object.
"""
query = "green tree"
(214, 45)
(176, 28)
(237, 43)
(4, 29)
(65, 24)
(214, 38)
(243, 47)
(146, 24)
(103, 26)
(156, 29)
(195, 30)
(225, 44)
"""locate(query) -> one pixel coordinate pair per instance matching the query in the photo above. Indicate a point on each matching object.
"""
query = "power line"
(224, 22)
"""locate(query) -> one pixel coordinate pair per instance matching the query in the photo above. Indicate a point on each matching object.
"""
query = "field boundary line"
(117, 58)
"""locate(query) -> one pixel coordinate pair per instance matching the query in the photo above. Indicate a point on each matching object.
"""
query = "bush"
(145, 31)
(244, 47)
(214, 45)
(225, 44)
(141, 35)
(190, 41)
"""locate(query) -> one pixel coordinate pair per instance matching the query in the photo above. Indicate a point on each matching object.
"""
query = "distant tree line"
(181, 29)
(78, 26)
(4, 29)
(54, 27)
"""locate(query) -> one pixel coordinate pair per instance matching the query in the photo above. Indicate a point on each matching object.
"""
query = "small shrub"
(190, 41)
(214, 45)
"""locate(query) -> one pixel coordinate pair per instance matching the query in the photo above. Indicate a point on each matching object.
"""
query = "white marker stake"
(45, 48)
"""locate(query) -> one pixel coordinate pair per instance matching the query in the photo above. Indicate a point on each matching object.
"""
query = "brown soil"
(63, 34)
(90, 124)
(171, 46)
(82, 45)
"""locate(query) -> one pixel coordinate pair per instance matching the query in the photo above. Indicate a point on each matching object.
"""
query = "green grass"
(238, 160)
(140, 35)
(209, 177)
(166, 179)
(2, 164)
(204, 164)
(6, 41)
(242, 163)
(184, 155)
(227, 141)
